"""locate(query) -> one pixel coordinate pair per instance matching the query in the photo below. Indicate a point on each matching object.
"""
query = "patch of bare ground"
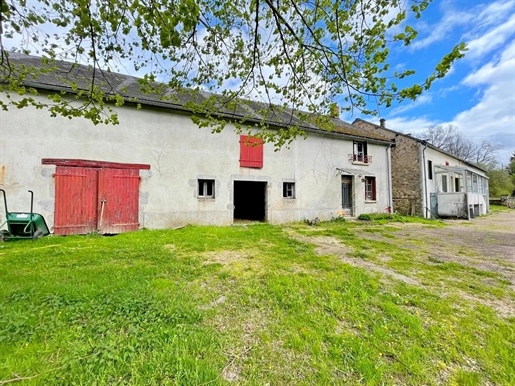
(486, 243)
(505, 308)
(326, 245)
(467, 364)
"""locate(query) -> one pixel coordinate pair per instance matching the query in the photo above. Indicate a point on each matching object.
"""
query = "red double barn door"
(88, 199)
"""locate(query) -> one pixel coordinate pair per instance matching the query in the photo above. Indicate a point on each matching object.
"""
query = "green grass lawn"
(243, 305)
(499, 208)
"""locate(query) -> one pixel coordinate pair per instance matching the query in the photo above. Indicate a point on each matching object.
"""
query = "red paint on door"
(96, 199)
(118, 200)
(75, 201)
(251, 152)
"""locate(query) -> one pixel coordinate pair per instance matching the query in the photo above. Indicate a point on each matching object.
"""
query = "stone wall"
(406, 176)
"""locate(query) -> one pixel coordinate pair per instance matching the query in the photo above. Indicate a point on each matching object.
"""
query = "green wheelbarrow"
(23, 225)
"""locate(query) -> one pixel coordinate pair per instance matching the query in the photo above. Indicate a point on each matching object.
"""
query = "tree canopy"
(450, 139)
(287, 54)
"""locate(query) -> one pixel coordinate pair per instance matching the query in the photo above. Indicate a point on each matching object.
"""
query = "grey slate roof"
(424, 142)
(129, 86)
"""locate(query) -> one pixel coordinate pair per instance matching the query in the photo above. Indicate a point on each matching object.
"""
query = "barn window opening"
(206, 188)
(370, 188)
(288, 190)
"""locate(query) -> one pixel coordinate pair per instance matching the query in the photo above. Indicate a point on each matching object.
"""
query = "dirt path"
(486, 243)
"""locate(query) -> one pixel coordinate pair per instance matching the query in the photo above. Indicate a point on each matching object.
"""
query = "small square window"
(206, 188)
(288, 189)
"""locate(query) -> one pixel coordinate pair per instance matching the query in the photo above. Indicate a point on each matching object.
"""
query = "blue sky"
(478, 95)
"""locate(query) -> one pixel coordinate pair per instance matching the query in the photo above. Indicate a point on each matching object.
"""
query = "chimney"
(382, 122)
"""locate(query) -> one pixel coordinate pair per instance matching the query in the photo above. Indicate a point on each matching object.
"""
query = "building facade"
(157, 169)
(429, 182)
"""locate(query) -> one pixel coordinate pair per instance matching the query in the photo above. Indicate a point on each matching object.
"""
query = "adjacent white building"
(428, 181)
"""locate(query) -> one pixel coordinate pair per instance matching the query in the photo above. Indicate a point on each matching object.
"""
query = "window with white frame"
(288, 189)
(444, 183)
(370, 188)
(360, 153)
(206, 188)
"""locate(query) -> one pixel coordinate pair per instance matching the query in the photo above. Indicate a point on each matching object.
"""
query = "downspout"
(389, 174)
(466, 186)
(424, 184)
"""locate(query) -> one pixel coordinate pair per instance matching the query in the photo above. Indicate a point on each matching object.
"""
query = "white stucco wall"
(180, 153)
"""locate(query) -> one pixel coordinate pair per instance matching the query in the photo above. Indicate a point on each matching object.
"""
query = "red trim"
(251, 152)
(92, 164)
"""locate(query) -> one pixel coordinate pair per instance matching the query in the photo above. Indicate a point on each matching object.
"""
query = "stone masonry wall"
(406, 178)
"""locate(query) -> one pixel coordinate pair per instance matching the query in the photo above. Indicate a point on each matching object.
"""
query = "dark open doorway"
(249, 200)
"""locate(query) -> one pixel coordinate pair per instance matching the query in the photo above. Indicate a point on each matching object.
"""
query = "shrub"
(380, 216)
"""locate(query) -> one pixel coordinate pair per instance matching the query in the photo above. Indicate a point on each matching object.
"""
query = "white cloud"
(493, 12)
(450, 20)
(474, 20)
(496, 109)
(410, 125)
(421, 100)
(491, 40)
(494, 114)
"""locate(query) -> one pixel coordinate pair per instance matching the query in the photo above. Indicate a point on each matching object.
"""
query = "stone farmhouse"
(157, 169)
(428, 181)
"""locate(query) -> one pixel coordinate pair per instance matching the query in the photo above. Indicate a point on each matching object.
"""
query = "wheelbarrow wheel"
(4, 234)
(37, 234)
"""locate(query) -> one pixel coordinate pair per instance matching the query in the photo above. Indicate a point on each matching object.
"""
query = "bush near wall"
(380, 216)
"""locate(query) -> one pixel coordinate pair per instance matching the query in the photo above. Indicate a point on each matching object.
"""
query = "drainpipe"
(466, 186)
(424, 175)
(389, 174)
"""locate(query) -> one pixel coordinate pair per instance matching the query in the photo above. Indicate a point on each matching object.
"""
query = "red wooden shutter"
(75, 200)
(118, 200)
(251, 152)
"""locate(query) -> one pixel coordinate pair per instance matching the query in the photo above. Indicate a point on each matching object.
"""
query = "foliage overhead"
(297, 55)
(450, 139)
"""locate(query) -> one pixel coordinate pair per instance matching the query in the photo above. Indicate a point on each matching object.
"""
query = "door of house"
(433, 197)
(347, 195)
(101, 200)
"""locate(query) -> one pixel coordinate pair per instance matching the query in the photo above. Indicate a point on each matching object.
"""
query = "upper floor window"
(360, 153)
(430, 169)
(251, 152)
